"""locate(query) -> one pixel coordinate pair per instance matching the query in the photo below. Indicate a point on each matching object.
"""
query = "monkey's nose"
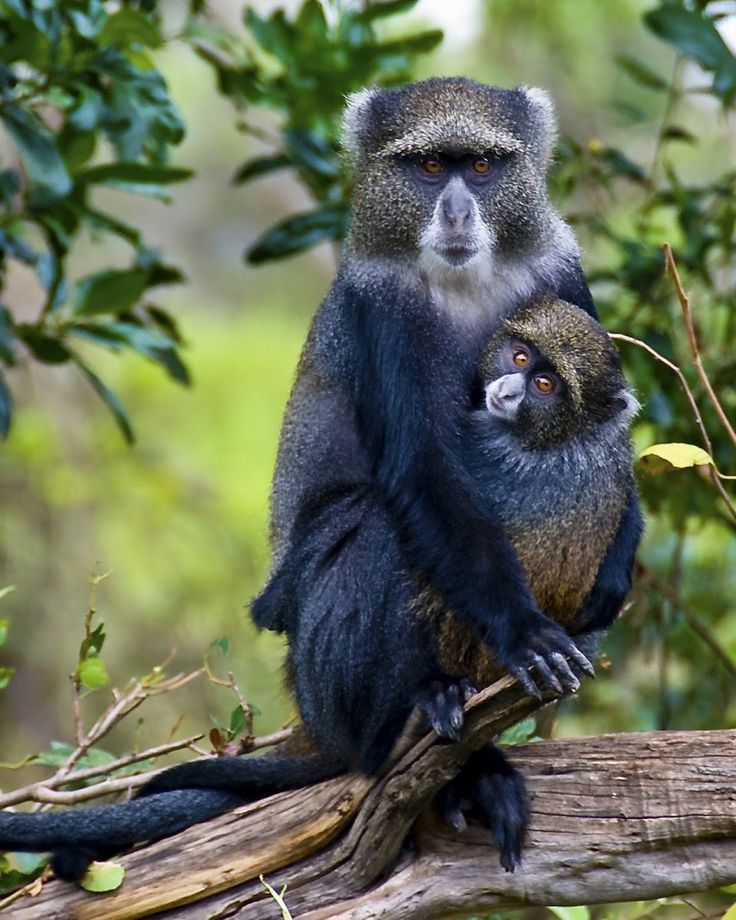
(457, 208)
(511, 388)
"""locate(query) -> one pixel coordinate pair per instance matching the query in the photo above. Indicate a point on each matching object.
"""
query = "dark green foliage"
(663, 203)
(73, 74)
(303, 68)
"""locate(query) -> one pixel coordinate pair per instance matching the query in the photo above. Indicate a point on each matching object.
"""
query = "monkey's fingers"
(521, 673)
(547, 674)
(582, 662)
(442, 705)
(467, 689)
(566, 675)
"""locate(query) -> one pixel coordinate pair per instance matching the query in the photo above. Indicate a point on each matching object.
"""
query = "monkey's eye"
(432, 165)
(521, 357)
(545, 384)
(481, 166)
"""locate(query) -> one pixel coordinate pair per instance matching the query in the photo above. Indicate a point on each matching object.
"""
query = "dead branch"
(615, 817)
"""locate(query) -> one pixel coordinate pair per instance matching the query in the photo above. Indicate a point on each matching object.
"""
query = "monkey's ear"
(545, 119)
(356, 120)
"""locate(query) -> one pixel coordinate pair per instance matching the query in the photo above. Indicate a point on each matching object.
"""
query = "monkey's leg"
(360, 657)
(613, 580)
(494, 791)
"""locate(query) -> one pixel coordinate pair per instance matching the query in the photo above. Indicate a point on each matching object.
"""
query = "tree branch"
(616, 817)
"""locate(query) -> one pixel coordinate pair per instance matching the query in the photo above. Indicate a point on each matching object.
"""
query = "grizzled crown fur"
(580, 351)
(447, 114)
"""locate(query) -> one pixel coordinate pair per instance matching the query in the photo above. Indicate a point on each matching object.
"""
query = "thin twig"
(30, 792)
(137, 692)
(31, 890)
(691, 618)
(712, 474)
(693, 342)
(673, 95)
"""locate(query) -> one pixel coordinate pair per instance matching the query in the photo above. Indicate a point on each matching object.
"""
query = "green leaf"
(237, 722)
(298, 233)
(6, 336)
(8, 589)
(153, 345)
(92, 673)
(103, 876)
(9, 185)
(136, 174)
(639, 71)
(44, 166)
(622, 165)
(129, 27)
(260, 167)
(520, 733)
(59, 752)
(311, 19)
(380, 10)
(47, 348)
(76, 147)
(5, 674)
(694, 34)
(109, 398)
(4, 627)
(663, 458)
(11, 244)
(164, 322)
(311, 152)
(93, 642)
(570, 913)
(222, 645)
(112, 291)
(675, 133)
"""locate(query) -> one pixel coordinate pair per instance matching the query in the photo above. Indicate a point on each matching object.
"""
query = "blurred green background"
(180, 519)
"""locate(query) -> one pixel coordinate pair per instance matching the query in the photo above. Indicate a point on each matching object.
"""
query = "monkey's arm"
(409, 413)
(613, 581)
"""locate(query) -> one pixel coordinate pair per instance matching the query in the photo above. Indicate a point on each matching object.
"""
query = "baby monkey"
(552, 450)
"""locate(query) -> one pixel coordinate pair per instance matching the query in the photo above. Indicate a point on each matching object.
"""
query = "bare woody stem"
(693, 342)
(712, 474)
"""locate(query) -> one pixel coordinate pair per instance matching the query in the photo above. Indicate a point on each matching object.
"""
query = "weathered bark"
(615, 817)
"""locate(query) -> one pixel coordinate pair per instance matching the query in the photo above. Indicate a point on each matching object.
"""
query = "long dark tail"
(179, 797)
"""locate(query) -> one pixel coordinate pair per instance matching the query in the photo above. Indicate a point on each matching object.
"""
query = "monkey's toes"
(442, 704)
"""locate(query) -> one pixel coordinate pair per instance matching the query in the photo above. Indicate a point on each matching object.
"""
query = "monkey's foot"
(442, 703)
(493, 791)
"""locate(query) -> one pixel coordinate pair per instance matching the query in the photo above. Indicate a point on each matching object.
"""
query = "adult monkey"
(451, 229)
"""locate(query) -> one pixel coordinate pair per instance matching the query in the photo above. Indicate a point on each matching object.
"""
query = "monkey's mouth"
(500, 408)
(457, 255)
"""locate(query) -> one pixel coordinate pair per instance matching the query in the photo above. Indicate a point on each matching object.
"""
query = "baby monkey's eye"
(521, 357)
(545, 383)
(432, 165)
(481, 166)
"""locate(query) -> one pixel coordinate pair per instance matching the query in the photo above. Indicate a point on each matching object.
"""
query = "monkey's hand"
(442, 702)
(540, 644)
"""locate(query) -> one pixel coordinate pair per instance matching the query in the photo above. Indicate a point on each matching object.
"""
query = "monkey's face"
(530, 395)
(448, 172)
(552, 376)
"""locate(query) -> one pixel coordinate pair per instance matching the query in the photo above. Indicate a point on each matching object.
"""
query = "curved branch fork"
(615, 817)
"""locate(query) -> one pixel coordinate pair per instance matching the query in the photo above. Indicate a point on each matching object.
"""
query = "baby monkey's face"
(524, 373)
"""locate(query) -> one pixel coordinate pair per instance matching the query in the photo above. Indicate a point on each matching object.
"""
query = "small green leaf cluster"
(302, 67)
(83, 106)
